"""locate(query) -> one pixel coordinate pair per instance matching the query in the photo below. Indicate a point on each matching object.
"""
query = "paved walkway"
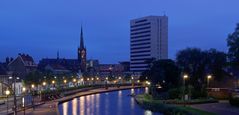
(50, 108)
(221, 108)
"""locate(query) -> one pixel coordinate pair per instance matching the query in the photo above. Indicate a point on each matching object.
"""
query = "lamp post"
(74, 80)
(33, 86)
(208, 81)
(24, 90)
(119, 81)
(65, 81)
(53, 83)
(44, 84)
(93, 82)
(7, 93)
(106, 83)
(184, 87)
(44, 88)
(132, 80)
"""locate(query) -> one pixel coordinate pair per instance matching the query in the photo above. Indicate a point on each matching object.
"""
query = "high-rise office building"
(148, 39)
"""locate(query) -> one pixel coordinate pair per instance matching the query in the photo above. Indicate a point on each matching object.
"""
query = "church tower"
(82, 53)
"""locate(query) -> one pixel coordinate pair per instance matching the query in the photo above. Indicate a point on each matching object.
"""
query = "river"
(110, 103)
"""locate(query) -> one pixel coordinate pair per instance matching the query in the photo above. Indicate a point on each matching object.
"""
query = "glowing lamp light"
(7, 92)
(44, 83)
(23, 89)
(185, 76)
(33, 85)
(209, 77)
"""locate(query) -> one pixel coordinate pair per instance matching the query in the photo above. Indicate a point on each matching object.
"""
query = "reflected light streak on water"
(148, 112)
(106, 104)
(113, 103)
(88, 105)
(146, 90)
(74, 106)
(92, 103)
(119, 102)
(65, 108)
(97, 103)
(82, 105)
(132, 99)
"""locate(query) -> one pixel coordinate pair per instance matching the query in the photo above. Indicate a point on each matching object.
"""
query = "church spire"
(81, 39)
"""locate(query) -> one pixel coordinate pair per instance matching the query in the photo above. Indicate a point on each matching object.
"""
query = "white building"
(148, 39)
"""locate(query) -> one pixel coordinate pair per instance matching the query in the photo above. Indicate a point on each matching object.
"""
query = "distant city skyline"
(41, 28)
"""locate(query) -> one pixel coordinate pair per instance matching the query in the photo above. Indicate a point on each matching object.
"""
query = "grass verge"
(146, 102)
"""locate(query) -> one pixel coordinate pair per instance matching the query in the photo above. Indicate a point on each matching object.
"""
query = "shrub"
(174, 93)
(234, 101)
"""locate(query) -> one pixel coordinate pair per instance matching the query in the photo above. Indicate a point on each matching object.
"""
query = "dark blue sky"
(41, 27)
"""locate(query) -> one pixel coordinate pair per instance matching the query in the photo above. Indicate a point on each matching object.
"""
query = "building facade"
(148, 39)
(22, 65)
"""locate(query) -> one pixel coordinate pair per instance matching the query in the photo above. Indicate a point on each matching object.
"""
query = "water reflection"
(97, 104)
(146, 90)
(82, 105)
(113, 103)
(119, 105)
(74, 106)
(148, 112)
(65, 108)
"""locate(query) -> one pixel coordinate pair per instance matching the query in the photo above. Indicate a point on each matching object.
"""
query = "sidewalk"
(221, 108)
(51, 108)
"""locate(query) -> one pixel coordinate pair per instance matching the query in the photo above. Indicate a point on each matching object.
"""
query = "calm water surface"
(111, 103)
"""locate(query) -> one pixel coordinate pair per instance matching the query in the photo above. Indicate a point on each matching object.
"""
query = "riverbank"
(169, 109)
(51, 107)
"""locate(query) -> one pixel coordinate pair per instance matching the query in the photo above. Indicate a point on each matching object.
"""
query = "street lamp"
(208, 81)
(106, 83)
(44, 83)
(132, 80)
(32, 86)
(65, 81)
(7, 93)
(74, 80)
(23, 99)
(184, 87)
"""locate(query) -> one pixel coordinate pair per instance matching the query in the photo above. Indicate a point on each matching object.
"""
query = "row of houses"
(23, 64)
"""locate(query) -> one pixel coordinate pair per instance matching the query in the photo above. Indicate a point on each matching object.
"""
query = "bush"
(234, 101)
(174, 93)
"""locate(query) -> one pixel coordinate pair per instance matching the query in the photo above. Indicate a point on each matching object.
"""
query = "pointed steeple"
(81, 39)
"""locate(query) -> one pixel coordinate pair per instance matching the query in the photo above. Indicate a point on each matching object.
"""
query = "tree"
(164, 72)
(233, 45)
(198, 64)
(216, 61)
(34, 77)
(192, 62)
